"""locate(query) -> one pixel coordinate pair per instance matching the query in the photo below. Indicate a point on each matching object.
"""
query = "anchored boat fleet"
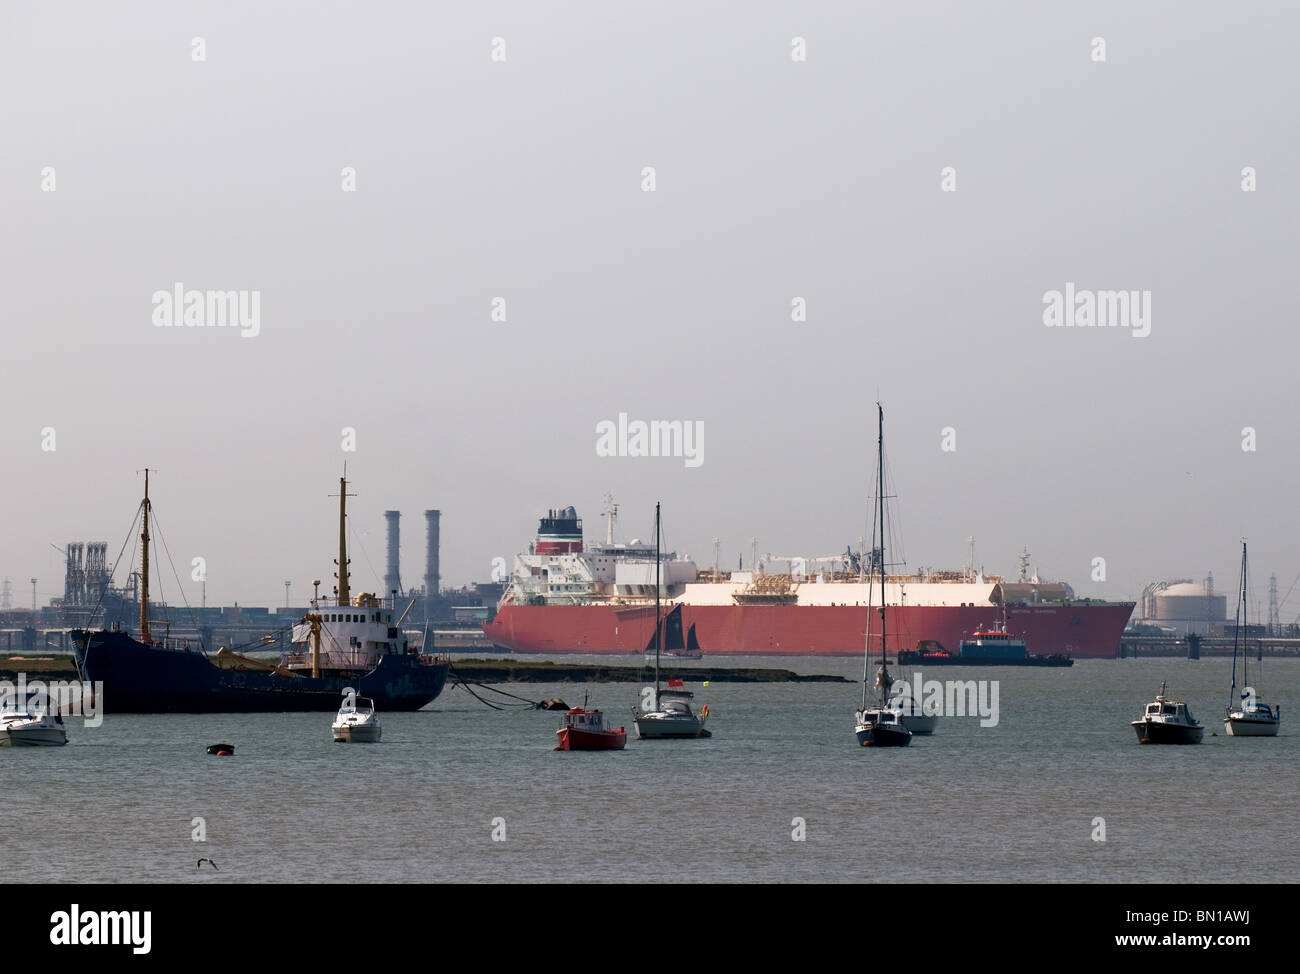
(610, 598)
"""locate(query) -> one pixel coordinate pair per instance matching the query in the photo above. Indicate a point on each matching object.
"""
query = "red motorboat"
(585, 730)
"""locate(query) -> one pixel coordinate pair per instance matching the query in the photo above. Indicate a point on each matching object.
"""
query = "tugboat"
(21, 727)
(1167, 721)
(357, 722)
(585, 730)
(1252, 718)
(987, 647)
(881, 726)
(354, 643)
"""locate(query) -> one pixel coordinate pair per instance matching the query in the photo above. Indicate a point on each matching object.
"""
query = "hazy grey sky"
(775, 178)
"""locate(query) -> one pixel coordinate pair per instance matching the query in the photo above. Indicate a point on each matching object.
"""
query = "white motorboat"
(1167, 721)
(20, 727)
(357, 722)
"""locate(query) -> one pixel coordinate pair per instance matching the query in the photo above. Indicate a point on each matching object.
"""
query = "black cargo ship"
(354, 643)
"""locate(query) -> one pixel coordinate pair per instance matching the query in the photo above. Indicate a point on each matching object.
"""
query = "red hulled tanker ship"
(567, 597)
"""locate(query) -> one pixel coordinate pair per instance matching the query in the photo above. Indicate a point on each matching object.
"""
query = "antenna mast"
(611, 514)
(880, 486)
(658, 625)
(343, 591)
(145, 636)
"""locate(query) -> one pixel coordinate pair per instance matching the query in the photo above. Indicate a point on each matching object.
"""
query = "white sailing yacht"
(1252, 718)
(22, 725)
(881, 725)
(671, 717)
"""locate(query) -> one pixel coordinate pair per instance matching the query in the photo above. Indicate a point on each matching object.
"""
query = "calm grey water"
(1011, 803)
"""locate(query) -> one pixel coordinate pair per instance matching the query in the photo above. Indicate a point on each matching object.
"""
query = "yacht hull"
(1245, 726)
(920, 723)
(649, 727)
(33, 737)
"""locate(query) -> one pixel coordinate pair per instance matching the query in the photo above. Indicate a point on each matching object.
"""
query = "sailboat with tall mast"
(356, 642)
(672, 717)
(1252, 718)
(881, 725)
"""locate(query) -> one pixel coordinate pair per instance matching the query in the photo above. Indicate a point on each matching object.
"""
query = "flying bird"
(200, 863)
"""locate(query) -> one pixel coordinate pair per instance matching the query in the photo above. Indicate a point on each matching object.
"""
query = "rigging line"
(893, 513)
(366, 555)
(260, 639)
(194, 619)
(103, 592)
(461, 682)
(492, 689)
(135, 546)
(1287, 596)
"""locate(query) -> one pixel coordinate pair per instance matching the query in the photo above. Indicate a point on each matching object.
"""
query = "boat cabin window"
(1153, 708)
(1169, 709)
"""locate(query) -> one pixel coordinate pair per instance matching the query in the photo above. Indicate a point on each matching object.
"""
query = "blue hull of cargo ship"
(142, 679)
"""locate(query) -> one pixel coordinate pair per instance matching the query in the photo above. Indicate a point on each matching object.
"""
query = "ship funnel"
(393, 580)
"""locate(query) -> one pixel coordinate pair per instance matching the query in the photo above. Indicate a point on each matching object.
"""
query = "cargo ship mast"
(342, 591)
(145, 636)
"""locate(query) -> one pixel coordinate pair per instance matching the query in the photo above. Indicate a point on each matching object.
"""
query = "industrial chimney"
(431, 566)
(393, 580)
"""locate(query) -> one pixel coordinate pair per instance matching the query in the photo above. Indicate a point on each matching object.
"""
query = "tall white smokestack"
(393, 580)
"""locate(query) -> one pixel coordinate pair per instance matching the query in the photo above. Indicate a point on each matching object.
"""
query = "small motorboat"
(585, 730)
(357, 722)
(1167, 721)
(21, 727)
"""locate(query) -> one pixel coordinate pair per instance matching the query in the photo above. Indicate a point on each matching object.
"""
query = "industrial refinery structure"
(432, 606)
(90, 599)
